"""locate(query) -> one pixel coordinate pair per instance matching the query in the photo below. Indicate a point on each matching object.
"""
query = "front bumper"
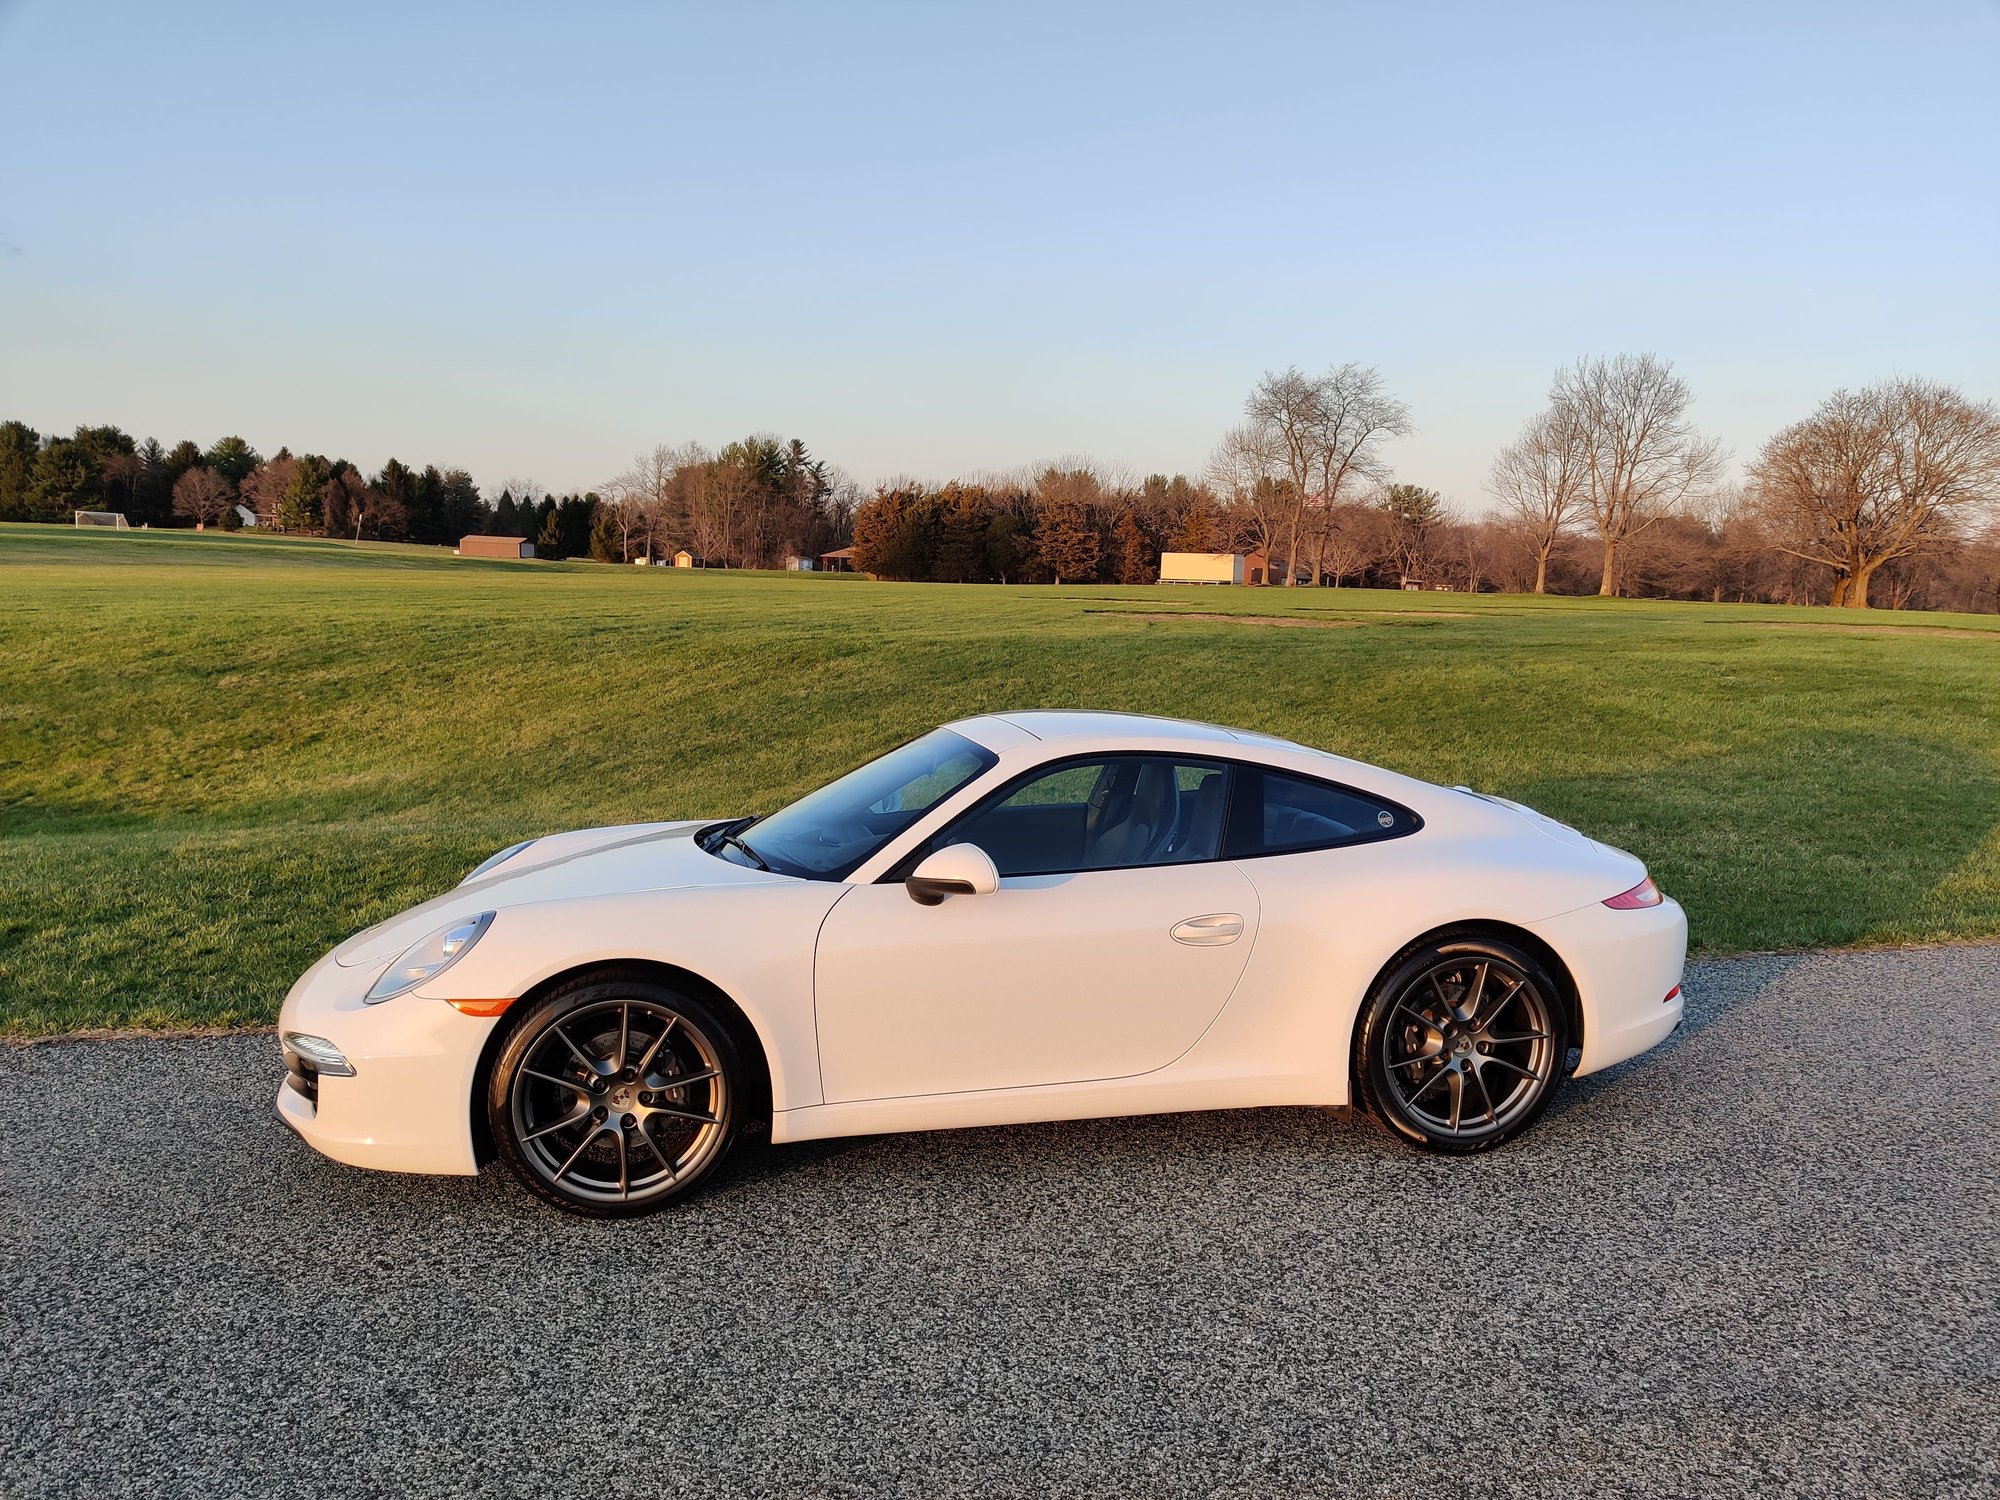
(1627, 967)
(408, 1107)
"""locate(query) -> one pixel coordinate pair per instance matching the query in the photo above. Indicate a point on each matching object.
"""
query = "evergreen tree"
(1137, 562)
(461, 509)
(894, 534)
(301, 502)
(426, 505)
(1009, 549)
(152, 489)
(1200, 529)
(963, 514)
(548, 539)
(101, 443)
(604, 535)
(233, 458)
(20, 444)
(64, 481)
(1067, 541)
(574, 516)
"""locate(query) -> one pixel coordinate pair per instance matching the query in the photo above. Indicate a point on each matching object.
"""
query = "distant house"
(1247, 568)
(841, 561)
(799, 565)
(245, 514)
(687, 559)
(495, 546)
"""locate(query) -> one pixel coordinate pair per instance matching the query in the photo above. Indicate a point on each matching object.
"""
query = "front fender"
(753, 942)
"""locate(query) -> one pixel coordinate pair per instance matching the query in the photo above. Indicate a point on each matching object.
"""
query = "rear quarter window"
(1274, 812)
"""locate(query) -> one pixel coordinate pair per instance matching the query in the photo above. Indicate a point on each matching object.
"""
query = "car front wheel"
(1462, 1045)
(612, 1097)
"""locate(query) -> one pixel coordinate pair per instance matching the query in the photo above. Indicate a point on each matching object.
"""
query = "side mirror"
(955, 870)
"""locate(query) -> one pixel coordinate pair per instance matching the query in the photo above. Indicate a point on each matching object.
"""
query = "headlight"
(496, 859)
(432, 956)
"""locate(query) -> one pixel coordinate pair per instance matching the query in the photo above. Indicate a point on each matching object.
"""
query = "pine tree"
(604, 535)
(1068, 543)
(19, 445)
(64, 481)
(299, 504)
(548, 541)
(1136, 561)
(233, 458)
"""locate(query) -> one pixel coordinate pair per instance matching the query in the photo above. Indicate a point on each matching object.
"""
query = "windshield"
(827, 834)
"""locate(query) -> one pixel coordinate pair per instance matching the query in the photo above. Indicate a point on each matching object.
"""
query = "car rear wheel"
(1462, 1045)
(612, 1097)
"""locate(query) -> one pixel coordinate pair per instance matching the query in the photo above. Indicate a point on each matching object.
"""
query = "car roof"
(1056, 732)
(1056, 725)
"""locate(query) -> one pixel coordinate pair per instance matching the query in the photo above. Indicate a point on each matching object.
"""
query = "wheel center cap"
(621, 1098)
(1461, 1045)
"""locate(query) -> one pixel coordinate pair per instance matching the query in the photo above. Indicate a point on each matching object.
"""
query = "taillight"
(1645, 893)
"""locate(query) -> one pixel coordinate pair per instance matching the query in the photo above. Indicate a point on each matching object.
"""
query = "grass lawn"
(221, 754)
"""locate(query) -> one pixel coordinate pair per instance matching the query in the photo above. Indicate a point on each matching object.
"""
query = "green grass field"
(219, 755)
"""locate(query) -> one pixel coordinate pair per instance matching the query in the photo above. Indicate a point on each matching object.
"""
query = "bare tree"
(1878, 475)
(1415, 518)
(1539, 481)
(1642, 457)
(365, 504)
(1326, 435)
(1285, 407)
(1353, 540)
(1356, 415)
(1246, 467)
(264, 488)
(644, 496)
(202, 495)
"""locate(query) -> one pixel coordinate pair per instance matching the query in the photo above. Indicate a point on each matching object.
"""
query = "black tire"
(1478, 1008)
(584, 1104)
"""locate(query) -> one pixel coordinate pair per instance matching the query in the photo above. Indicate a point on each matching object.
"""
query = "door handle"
(1211, 931)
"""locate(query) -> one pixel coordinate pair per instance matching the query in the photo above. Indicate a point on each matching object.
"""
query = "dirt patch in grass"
(1423, 614)
(1291, 620)
(1834, 627)
(1372, 617)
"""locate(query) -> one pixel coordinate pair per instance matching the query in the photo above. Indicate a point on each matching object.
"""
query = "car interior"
(1107, 815)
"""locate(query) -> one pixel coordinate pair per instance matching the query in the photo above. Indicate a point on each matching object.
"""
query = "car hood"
(562, 867)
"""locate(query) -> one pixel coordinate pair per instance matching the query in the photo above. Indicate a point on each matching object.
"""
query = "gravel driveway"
(1762, 1258)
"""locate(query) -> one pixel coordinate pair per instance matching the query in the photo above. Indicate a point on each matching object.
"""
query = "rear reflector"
(1672, 995)
(1645, 893)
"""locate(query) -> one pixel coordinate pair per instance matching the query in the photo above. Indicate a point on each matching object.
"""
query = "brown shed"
(841, 560)
(495, 546)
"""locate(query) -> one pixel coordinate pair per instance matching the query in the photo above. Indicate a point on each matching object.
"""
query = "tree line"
(754, 504)
(1882, 495)
(1887, 494)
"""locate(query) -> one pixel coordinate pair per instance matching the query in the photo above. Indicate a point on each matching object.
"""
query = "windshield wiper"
(751, 854)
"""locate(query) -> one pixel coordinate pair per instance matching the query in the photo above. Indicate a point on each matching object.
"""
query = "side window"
(1114, 813)
(1280, 814)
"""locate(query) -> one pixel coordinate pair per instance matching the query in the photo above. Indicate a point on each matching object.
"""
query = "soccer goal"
(115, 519)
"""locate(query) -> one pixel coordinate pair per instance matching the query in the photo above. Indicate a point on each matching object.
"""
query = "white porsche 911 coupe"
(1017, 917)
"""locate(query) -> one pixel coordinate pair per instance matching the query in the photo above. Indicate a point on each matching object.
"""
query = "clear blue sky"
(531, 240)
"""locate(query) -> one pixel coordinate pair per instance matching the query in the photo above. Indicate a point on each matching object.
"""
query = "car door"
(1116, 936)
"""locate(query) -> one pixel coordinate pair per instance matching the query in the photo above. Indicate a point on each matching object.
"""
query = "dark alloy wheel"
(1462, 1045)
(612, 1097)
